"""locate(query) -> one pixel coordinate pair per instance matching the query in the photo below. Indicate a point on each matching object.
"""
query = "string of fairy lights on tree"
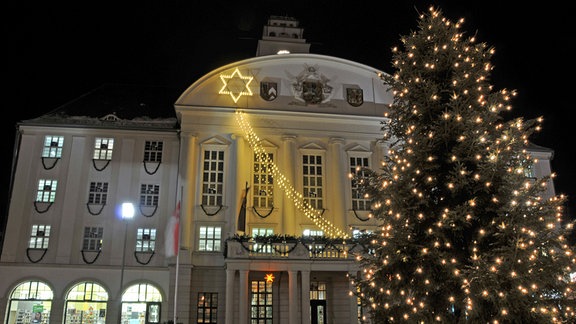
(471, 103)
(283, 183)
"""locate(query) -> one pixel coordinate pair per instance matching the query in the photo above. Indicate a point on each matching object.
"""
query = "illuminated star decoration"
(269, 277)
(236, 85)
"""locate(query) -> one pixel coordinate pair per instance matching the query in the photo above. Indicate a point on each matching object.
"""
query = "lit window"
(317, 290)
(46, 191)
(262, 232)
(103, 148)
(356, 166)
(207, 308)
(39, 237)
(309, 232)
(213, 178)
(263, 182)
(52, 146)
(266, 248)
(146, 240)
(210, 238)
(312, 174)
(261, 302)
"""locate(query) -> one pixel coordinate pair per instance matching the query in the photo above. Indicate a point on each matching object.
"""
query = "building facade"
(253, 160)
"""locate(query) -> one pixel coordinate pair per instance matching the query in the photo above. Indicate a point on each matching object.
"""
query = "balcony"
(292, 248)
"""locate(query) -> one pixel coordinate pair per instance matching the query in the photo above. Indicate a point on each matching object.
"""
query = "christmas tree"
(465, 233)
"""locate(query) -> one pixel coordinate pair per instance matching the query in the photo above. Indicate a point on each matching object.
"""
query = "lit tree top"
(466, 234)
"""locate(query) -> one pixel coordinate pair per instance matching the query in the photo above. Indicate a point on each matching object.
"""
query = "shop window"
(86, 303)
(30, 302)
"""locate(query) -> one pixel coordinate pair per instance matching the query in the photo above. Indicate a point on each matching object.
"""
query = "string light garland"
(283, 183)
(465, 234)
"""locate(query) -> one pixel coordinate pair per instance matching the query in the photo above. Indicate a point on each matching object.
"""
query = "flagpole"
(176, 282)
(177, 261)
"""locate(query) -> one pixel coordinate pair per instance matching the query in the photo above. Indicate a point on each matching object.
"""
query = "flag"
(242, 214)
(172, 235)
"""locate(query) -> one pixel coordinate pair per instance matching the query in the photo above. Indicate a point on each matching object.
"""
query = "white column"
(339, 173)
(230, 296)
(244, 164)
(243, 302)
(305, 296)
(188, 175)
(293, 297)
(288, 166)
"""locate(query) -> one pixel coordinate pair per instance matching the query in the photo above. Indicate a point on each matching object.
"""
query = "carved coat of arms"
(311, 87)
(268, 90)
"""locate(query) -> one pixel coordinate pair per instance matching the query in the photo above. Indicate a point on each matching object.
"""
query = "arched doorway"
(86, 303)
(141, 304)
(30, 302)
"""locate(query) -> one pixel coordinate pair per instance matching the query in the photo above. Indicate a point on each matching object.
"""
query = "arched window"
(30, 302)
(86, 303)
(141, 303)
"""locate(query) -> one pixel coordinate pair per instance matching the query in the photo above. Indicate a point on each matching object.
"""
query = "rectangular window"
(207, 308)
(262, 232)
(92, 238)
(263, 181)
(309, 232)
(210, 238)
(149, 195)
(52, 146)
(213, 178)
(39, 237)
(317, 290)
(359, 202)
(98, 193)
(146, 240)
(153, 151)
(261, 302)
(103, 148)
(312, 180)
(313, 247)
(266, 248)
(46, 191)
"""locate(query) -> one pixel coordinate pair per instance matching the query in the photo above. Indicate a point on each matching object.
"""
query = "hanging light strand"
(283, 183)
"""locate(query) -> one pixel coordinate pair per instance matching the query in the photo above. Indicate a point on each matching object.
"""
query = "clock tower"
(282, 35)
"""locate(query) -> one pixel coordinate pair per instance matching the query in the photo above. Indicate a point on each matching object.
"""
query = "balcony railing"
(276, 247)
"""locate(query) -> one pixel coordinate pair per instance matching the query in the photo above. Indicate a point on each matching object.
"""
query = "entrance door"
(152, 313)
(318, 311)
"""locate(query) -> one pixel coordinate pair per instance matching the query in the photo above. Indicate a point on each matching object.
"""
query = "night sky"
(59, 51)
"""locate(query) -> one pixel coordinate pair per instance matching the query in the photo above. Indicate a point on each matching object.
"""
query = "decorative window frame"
(91, 255)
(45, 195)
(207, 307)
(152, 156)
(213, 144)
(102, 153)
(358, 151)
(266, 191)
(52, 150)
(150, 235)
(200, 238)
(96, 208)
(38, 242)
(149, 209)
(317, 150)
